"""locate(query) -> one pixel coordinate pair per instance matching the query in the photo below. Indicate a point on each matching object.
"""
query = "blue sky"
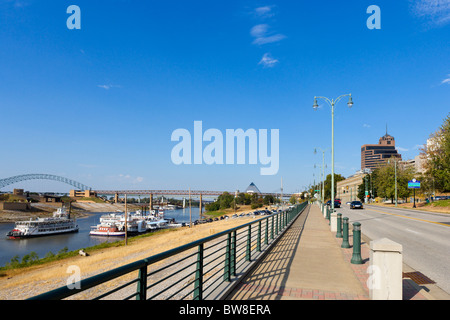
(99, 104)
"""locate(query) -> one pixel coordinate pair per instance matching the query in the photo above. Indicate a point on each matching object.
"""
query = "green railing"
(202, 270)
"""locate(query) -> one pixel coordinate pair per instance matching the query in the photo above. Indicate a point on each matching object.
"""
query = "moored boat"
(106, 230)
(61, 222)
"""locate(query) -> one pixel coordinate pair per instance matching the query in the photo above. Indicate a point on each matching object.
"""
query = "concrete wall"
(21, 206)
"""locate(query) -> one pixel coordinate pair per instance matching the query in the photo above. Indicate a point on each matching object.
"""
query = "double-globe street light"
(332, 103)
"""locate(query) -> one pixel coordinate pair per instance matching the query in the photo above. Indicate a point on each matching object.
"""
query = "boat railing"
(206, 269)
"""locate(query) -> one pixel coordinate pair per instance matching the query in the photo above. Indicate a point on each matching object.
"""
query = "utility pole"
(126, 220)
(367, 191)
(281, 192)
(190, 212)
(396, 200)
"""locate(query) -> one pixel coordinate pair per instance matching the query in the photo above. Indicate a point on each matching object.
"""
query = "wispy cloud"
(446, 80)
(436, 12)
(126, 178)
(262, 35)
(16, 3)
(402, 149)
(365, 125)
(267, 61)
(108, 86)
(264, 12)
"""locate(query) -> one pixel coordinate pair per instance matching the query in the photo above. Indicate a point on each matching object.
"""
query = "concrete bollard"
(385, 281)
(333, 222)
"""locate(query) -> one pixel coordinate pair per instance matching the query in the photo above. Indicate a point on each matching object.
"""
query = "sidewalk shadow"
(270, 276)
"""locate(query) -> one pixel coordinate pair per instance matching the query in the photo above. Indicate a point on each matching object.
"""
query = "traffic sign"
(414, 184)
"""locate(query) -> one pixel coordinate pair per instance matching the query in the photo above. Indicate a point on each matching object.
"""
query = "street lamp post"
(332, 103)
(323, 173)
(395, 176)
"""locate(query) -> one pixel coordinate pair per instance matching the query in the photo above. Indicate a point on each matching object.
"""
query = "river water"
(73, 241)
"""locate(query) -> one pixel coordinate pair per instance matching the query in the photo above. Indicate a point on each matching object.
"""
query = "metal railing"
(201, 270)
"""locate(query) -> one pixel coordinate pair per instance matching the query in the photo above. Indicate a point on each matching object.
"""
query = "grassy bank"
(229, 211)
(21, 283)
(441, 206)
(32, 258)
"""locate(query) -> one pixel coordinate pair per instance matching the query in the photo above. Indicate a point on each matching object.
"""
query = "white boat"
(59, 223)
(110, 218)
(133, 225)
(106, 230)
(114, 225)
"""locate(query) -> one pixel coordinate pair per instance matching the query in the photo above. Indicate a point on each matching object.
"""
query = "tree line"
(227, 200)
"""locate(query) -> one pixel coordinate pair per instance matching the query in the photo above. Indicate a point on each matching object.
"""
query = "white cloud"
(264, 12)
(259, 30)
(436, 11)
(402, 149)
(447, 80)
(264, 40)
(267, 61)
(108, 86)
(262, 36)
(365, 125)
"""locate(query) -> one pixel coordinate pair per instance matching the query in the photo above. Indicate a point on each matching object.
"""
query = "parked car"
(356, 205)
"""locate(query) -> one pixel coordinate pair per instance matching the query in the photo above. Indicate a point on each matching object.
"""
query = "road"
(425, 237)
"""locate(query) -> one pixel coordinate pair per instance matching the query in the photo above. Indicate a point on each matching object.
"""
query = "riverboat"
(106, 230)
(61, 222)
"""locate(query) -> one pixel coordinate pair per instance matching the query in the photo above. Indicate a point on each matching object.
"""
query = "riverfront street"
(423, 235)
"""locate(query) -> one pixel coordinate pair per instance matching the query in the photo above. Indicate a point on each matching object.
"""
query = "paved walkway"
(309, 263)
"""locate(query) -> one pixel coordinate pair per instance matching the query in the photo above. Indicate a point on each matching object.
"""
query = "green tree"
(337, 178)
(293, 200)
(268, 199)
(385, 183)
(437, 155)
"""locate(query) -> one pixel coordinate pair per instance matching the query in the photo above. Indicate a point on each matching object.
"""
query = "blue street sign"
(414, 184)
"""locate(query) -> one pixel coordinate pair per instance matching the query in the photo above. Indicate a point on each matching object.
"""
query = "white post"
(333, 222)
(385, 281)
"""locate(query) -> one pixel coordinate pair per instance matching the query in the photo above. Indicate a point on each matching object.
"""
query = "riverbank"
(20, 284)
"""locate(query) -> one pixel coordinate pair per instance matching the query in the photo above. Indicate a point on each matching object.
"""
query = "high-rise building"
(373, 155)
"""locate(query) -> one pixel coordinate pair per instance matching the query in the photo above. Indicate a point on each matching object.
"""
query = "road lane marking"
(412, 218)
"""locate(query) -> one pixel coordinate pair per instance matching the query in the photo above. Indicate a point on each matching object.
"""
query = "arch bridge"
(41, 176)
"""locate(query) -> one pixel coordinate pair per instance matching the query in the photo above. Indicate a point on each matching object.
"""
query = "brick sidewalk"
(410, 292)
(308, 263)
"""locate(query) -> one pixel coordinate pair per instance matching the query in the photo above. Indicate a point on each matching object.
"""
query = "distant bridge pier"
(200, 207)
(184, 203)
(116, 198)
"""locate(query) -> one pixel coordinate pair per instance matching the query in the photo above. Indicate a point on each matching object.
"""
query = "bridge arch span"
(41, 176)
